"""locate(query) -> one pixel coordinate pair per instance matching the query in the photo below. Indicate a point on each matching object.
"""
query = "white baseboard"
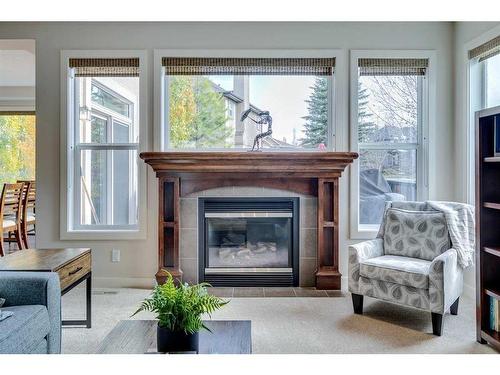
(123, 282)
(343, 283)
(469, 291)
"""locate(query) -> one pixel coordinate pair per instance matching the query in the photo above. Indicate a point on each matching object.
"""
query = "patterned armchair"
(411, 263)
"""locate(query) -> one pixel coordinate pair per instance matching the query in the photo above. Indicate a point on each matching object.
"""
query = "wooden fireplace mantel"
(313, 173)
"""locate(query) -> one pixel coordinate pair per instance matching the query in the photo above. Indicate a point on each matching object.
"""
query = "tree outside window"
(17, 147)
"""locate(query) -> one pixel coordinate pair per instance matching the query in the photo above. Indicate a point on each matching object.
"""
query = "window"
(492, 81)
(388, 114)
(104, 126)
(17, 146)
(484, 92)
(203, 101)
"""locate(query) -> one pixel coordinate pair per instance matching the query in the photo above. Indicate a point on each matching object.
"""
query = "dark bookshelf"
(493, 251)
(487, 223)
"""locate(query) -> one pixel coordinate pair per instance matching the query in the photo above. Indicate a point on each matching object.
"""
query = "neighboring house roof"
(233, 97)
(271, 142)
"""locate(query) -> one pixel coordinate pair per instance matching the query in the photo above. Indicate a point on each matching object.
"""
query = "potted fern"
(179, 311)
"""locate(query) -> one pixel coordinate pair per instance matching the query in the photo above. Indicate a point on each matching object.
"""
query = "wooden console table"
(312, 173)
(74, 266)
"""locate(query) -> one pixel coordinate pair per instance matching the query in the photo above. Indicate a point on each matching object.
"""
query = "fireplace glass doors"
(248, 241)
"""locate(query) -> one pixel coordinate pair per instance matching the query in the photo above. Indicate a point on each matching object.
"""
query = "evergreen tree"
(316, 126)
(366, 127)
(210, 124)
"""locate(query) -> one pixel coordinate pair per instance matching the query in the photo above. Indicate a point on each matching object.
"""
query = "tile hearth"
(274, 292)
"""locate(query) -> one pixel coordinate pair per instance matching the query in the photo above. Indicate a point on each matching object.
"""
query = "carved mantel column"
(312, 173)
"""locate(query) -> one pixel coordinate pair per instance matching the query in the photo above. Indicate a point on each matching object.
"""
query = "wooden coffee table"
(139, 337)
(74, 266)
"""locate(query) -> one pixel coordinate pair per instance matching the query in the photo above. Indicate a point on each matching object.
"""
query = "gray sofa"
(35, 300)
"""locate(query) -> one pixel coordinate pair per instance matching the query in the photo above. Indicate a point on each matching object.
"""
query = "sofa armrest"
(36, 288)
(445, 281)
(359, 252)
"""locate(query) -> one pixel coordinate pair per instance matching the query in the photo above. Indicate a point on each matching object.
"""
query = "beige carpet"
(295, 325)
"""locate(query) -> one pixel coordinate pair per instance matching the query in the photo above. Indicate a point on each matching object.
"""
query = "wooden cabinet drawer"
(74, 271)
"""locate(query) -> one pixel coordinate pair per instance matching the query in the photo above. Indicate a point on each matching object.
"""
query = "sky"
(380, 115)
(493, 93)
(283, 96)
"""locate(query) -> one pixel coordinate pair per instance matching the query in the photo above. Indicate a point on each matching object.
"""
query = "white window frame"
(427, 114)
(111, 117)
(69, 202)
(475, 100)
(335, 84)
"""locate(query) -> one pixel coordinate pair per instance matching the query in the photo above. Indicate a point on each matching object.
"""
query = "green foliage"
(17, 147)
(197, 114)
(316, 126)
(182, 110)
(180, 308)
(210, 123)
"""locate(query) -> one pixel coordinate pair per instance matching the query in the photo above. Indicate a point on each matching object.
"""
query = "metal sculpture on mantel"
(263, 118)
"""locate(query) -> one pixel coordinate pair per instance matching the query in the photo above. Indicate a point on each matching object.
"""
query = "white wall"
(467, 35)
(138, 263)
(17, 75)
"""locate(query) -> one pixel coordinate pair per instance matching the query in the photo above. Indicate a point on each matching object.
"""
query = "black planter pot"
(176, 341)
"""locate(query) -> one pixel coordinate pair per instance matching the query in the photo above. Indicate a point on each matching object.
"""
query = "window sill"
(96, 235)
(363, 234)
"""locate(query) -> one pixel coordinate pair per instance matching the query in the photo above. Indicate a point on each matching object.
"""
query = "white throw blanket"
(460, 221)
(461, 226)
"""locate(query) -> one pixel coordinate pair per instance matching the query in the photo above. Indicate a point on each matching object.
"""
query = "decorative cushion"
(415, 234)
(411, 206)
(398, 270)
(2, 301)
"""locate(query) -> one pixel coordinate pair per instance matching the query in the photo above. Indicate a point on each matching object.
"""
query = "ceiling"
(17, 63)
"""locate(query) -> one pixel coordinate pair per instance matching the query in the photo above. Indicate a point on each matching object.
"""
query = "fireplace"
(311, 173)
(249, 241)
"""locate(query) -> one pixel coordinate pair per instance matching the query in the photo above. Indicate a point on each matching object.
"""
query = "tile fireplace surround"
(188, 228)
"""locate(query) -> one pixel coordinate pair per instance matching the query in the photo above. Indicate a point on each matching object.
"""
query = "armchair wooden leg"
(357, 303)
(454, 307)
(437, 324)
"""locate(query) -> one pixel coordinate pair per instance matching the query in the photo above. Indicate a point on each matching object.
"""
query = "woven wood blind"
(486, 50)
(248, 66)
(392, 67)
(105, 67)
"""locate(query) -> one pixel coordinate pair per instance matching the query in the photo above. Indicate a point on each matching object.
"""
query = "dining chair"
(28, 217)
(10, 213)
